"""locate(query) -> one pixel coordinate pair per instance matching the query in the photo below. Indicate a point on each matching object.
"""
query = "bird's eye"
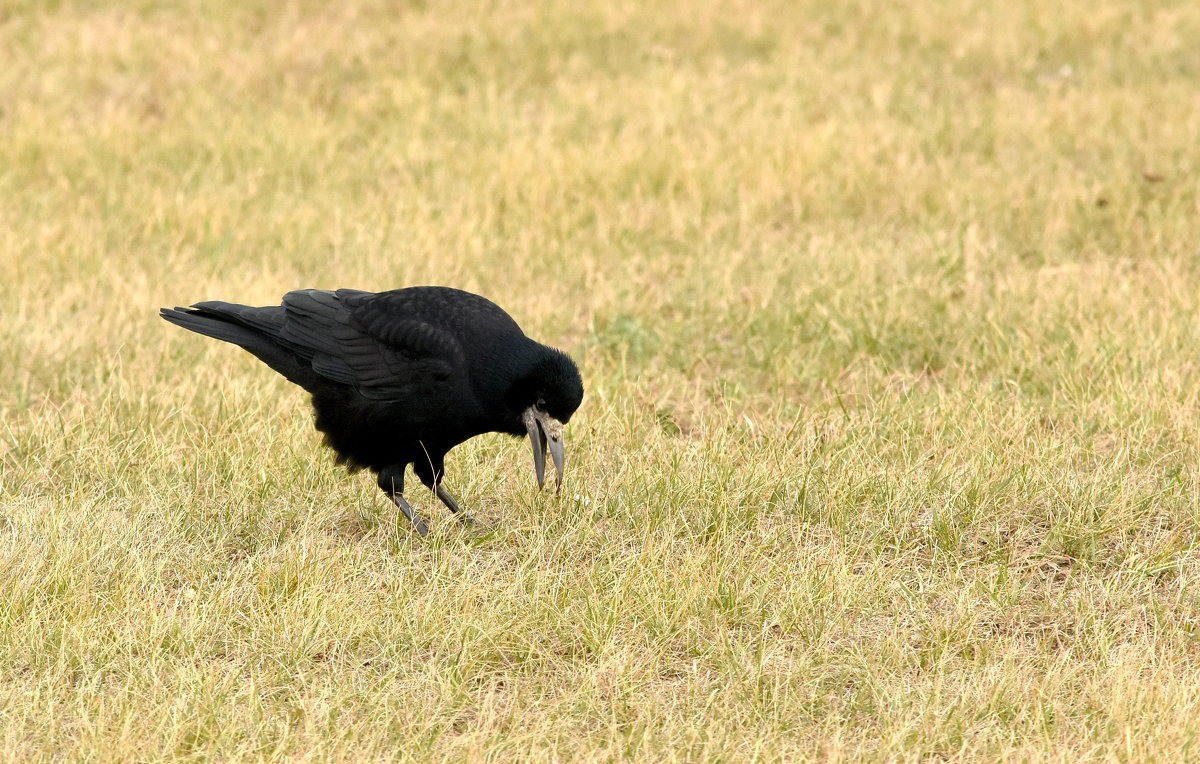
(541, 404)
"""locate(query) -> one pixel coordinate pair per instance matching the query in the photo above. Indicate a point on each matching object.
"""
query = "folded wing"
(319, 336)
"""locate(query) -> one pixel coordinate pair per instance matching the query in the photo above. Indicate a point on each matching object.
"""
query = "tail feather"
(210, 326)
(253, 334)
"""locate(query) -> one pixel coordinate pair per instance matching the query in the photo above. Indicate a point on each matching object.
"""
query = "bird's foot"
(452, 504)
(419, 524)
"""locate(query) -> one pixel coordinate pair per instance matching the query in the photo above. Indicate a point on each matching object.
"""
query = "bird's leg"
(391, 480)
(430, 473)
(452, 504)
(413, 517)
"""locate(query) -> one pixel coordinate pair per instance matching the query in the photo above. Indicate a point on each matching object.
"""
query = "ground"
(887, 314)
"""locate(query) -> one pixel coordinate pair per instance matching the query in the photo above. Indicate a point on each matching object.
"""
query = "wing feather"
(350, 341)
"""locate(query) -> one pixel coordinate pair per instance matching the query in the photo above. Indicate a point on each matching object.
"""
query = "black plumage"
(401, 377)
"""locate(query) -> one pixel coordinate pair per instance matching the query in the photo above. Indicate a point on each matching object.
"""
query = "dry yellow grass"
(887, 314)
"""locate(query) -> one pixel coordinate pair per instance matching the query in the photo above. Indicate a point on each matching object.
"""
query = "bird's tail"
(255, 330)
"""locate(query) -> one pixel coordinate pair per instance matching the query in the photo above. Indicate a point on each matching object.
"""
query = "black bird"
(402, 377)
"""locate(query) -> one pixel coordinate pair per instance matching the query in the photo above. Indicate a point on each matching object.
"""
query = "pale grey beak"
(545, 433)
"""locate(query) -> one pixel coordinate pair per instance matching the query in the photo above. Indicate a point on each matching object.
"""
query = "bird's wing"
(382, 355)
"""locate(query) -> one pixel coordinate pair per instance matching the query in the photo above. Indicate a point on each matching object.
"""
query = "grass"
(887, 315)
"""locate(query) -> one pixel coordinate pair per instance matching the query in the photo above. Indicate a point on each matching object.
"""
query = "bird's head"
(546, 396)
